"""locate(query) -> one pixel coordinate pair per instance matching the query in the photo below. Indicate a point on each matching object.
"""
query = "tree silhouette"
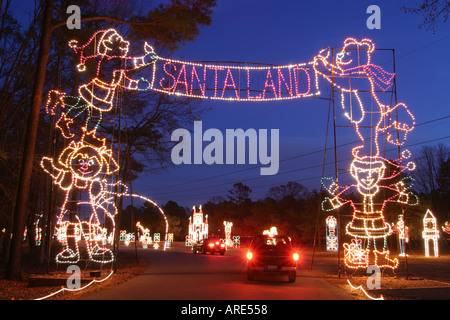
(239, 193)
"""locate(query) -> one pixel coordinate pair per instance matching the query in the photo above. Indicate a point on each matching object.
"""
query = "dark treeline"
(293, 209)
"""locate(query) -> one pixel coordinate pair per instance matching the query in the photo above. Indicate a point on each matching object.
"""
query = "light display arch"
(233, 82)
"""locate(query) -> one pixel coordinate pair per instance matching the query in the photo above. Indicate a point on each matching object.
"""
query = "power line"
(277, 184)
(283, 160)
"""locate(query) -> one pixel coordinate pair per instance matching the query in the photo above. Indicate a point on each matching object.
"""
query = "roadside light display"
(228, 241)
(87, 164)
(271, 232)
(446, 227)
(403, 234)
(144, 235)
(198, 226)
(331, 233)
(430, 233)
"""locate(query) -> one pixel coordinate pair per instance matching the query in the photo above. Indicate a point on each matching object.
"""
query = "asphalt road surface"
(178, 274)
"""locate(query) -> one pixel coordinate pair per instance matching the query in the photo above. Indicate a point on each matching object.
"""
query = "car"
(272, 254)
(211, 245)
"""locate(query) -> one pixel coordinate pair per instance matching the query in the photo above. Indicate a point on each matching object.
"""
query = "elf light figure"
(331, 234)
(430, 232)
(353, 74)
(114, 69)
(198, 229)
(228, 226)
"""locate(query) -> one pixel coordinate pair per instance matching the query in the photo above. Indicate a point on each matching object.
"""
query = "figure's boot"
(101, 254)
(68, 256)
(382, 260)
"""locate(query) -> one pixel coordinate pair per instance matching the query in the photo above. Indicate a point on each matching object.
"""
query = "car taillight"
(295, 256)
(222, 245)
(249, 255)
(211, 245)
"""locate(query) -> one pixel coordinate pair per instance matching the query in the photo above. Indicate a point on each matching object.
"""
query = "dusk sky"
(289, 32)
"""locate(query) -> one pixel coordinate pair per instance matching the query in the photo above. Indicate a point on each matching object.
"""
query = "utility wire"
(283, 160)
(276, 184)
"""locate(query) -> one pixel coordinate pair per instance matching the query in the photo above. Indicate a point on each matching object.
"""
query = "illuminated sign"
(233, 82)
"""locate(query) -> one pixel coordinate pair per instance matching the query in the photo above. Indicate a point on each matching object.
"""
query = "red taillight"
(295, 256)
(222, 245)
(249, 255)
(211, 245)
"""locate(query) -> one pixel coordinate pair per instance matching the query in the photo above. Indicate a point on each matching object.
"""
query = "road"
(178, 274)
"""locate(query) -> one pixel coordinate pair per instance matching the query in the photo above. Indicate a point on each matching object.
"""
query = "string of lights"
(161, 189)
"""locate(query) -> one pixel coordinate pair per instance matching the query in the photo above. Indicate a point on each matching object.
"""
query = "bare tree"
(432, 178)
(433, 12)
(240, 193)
(189, 15)
(429, 164)
(291, 190)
